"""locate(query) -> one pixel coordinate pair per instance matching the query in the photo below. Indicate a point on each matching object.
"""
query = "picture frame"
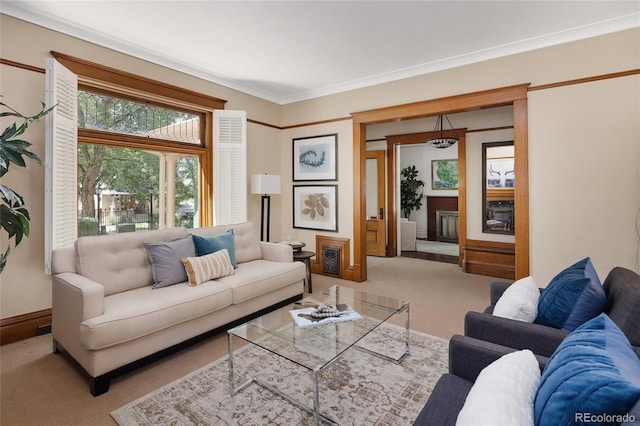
(315, 158)
(500, 173)
(444, 174)
(315, 207)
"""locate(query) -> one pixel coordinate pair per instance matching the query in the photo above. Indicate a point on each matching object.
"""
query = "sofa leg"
(56, 348)
(99, 385)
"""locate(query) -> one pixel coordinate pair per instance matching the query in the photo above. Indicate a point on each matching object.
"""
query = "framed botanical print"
(315, 207)
(315, 158)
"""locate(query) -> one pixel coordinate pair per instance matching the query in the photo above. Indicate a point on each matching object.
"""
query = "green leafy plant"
(410, 193)
(14, 217)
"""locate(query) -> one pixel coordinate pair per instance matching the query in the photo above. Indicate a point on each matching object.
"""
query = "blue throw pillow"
(211, 244)
(166, 267)
(594, 372)
(573, 297)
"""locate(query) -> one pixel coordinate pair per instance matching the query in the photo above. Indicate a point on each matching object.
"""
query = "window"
(131, 189)
(138, 151)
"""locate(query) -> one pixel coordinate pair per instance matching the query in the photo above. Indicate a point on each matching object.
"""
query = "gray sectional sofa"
(109, 318)
(570, 355)
(622, 287)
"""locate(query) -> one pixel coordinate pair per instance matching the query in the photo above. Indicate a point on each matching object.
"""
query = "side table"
(305, 256)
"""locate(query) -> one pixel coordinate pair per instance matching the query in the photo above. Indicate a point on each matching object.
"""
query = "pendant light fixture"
(441, 141)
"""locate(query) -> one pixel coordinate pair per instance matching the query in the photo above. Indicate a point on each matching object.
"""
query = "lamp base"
(262, 218)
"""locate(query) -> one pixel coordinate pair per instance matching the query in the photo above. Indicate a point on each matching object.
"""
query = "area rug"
(358, 389)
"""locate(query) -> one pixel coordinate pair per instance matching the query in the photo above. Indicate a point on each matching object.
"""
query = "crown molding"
(18, 10)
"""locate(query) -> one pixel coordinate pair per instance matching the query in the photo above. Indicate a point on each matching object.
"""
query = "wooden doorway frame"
(511, 95)
(392, 178)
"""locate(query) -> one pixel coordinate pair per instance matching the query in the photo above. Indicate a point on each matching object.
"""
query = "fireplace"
(447, 226)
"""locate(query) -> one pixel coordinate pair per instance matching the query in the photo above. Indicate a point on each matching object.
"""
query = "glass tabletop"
(315, 345)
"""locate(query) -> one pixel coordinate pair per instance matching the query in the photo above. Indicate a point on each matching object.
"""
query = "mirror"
(498, 176)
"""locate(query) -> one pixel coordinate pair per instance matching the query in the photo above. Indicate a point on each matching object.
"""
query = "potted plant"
(14, 216)
(410, 193)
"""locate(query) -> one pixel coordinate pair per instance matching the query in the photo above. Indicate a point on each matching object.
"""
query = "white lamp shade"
(265, 184)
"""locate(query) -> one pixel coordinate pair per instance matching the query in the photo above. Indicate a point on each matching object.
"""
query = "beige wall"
(24, 286)
(583, 145)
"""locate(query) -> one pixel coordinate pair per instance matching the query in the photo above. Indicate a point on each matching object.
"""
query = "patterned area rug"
(357, 389)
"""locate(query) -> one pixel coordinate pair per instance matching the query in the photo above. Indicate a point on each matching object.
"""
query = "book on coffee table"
(303, 317)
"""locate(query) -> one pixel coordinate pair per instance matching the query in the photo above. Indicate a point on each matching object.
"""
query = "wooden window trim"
(97, 77)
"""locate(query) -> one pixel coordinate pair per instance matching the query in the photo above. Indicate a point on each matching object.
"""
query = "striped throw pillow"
(208, 267)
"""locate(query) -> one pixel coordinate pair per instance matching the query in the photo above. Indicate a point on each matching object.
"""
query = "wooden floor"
(431, 256)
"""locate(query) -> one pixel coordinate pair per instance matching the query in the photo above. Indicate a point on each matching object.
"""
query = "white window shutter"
(230, 167)
(61, 138)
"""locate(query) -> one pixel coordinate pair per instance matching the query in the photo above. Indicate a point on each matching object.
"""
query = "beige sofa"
(109, 319)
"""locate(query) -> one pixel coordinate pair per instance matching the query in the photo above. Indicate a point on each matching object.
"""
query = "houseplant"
(14, 216)
(410, 193)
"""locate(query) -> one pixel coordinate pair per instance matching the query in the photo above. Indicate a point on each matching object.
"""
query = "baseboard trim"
(23, 326)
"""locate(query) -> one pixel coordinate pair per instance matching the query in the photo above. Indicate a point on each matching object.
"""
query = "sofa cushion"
(119, 262)
(503, 393)
(623, 302)
(519, 301)
(573, 297)
(166, 267)
(445, 402)
(594, 371)
(213, 243)
(246, 239)
(253, 279)
(143, 311)
(208, 267)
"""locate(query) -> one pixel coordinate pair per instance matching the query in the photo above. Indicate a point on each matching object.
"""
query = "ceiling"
(288, 51)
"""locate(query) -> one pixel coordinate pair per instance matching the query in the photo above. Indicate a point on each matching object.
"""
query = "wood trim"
(585, 80)
(512, 95)
(346, 272)
(492, 258)
(359, 202)
(315, 123)
(23, 66)
(102, 73)
(23, 326)
(521, 208)
(447, 105)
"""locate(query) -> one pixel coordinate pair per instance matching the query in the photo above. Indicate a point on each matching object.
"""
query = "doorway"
(513, 95)
(375, 213)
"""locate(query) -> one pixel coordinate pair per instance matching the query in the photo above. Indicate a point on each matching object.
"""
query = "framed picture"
(315, 207)
(315, 158)
(444, 174)
(501, 173)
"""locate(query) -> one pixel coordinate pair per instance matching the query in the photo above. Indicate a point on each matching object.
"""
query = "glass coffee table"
(315, 347)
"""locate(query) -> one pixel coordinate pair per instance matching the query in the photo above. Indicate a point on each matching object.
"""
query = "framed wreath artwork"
(315, 158)
(315, 207)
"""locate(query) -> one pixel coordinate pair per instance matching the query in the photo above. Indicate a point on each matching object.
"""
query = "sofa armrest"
(276, 252)
(497, 289)
(542, 340)
(73, 292)
(469, 356)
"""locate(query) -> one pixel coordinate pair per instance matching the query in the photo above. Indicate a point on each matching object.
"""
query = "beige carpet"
(38, 387)
(358, 389)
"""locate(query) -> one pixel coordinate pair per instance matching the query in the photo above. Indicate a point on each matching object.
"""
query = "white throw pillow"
(519, 301)
(503, 393)
(208, 267)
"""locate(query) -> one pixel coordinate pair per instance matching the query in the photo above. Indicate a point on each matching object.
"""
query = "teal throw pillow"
(573, 297)
(592, 378)
(213, 243)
